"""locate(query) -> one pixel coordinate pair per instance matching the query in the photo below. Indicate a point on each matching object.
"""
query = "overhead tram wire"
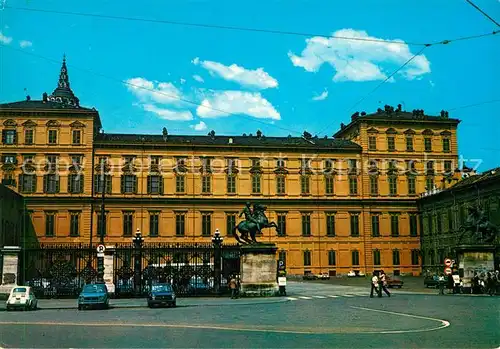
(212, 26)
(484, 13)
(86, 70)
(379, 85)
(475, 104)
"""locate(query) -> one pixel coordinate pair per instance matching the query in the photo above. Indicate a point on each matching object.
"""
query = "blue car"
(162, 294)
(94, 295)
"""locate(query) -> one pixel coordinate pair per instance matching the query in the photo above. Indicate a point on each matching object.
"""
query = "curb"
(132, 306)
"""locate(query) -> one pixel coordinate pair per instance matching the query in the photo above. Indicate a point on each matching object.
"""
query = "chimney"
(44, 97)
(28, 98)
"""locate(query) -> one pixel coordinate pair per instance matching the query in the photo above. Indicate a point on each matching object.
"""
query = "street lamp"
(137, 240)
(217, 240)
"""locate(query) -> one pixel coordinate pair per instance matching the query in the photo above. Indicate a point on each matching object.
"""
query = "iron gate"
(58, 270)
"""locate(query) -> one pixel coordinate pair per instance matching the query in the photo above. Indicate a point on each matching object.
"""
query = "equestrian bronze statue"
(477, 229)
(255, 221)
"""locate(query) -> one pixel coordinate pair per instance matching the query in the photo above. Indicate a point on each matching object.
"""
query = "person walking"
(383, 284)
(375, 285)
(233, 285)
(441, 281)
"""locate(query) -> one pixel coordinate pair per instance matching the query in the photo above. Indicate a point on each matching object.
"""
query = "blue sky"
(281, 84)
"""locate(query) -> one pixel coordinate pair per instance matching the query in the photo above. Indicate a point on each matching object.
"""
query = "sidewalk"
(142, 303)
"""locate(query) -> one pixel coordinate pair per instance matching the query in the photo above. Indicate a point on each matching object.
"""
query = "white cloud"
(182, 81)
(198, 78)
(201, 126)
(321, 97)
(5, 39)
(25, 43)
(237, 102)
(257, 78)
(432, 82)
(169, 114)
(154, 91)
(359, 60)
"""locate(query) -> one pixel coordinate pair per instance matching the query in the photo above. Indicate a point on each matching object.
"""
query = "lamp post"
(137, 240)
(102, 232)
(217, 240)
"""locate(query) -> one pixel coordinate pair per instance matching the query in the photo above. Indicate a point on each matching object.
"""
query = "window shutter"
(4, 136)
(57, 184)
(107, 179)
(45, 182)
(161, 185)
(21, 189)
(15, 137)
(95, 184)
(122, 184)
(70, 180)
(33, 183)
(135, 184)
(149, 184)
(80, 188)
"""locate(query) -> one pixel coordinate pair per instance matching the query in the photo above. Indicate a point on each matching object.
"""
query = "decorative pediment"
(10, 123)
(445, 133)
(372, 130)
(8, 167)
(100, 167)
(305, 171)
(29, 123)
(409, 132)
(154, 168)
(75, 168)
(330, 172)
(391, 131)
(77, 124)
(181, 168)
(29, 168)
(232, 170)
(205, 169)
(129, 169)
(256, 170)
(281, 170)
(428, 132)
(53, 123)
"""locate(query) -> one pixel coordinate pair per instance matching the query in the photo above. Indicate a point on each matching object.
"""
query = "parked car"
(93, 295)
(394, 281)
(22, 297)
(197, 285)
(431, 281)
(323, 276)
(309, 276)
(162, 294)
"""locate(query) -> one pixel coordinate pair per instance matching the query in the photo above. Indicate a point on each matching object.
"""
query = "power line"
(212, 26)
(484, 13)
(380, 84)
(475, 104)
(149, 89)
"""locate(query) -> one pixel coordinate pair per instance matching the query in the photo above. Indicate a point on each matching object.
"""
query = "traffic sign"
(101, 248)
(447, 270)
(447, 262)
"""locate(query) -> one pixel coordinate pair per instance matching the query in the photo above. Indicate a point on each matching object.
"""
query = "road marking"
(289, 298)
(348, 295)
(319, 296)
(333, 296)
(444, 323)
(304, 297)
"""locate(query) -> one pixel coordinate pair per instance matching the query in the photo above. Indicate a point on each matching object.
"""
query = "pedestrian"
(490, 284)
(383, 284)
(375, 285)
(456, 283)
(449, 284)
(441, 282)
(233, 285)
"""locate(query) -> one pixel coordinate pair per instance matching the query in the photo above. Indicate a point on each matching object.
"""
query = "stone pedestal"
(473, 259)
(258, 268)
(109, 269)
(10, 268)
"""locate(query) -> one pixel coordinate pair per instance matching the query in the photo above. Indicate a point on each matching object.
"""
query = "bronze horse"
(246, 228)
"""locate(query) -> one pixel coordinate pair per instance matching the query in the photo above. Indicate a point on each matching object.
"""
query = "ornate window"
(372, 143)
(29, 136)
(353, 185)
(376, 257)
(427, 144)
(429, 183)
(256, 184)
(446, 141)
(76, 137)
(9, 136)
(395, 257)
(305, 182)
(332, 260)
(180, 181)
(415, 257)
(128, 223)
(354, 223)
(306, 224)
(280, 184)
(231, 183)
(373, 185)
(409, 143)
(307, 258)
(412, 187)
(99, 180)
(206, 224)
(75, 183)
(330, 224)
(50, 223)
(230, 222)
(375, 225)
(51, 183)
(101, 226)
(329, 185)
(391, 143)
(52, 134)
(394, 225)
(355, 257)
(206, 184)
(74, 226)
(413, 225)
(128, 184)
(180, 223)
(27, 183)
(155, 184)
(281, 223)
(447, 167)
(154, 223)
(393, 185)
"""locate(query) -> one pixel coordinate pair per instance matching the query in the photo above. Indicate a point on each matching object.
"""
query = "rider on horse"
(247, 211)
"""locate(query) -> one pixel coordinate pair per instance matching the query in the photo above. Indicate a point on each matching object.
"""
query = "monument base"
(474, 259)
(258, 268)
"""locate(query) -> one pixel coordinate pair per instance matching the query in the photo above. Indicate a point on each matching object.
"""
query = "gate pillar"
(10, 268)
(109, 255)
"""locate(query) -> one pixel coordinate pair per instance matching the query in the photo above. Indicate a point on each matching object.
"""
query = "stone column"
(109, 272)
(10, 269)
(258, 267)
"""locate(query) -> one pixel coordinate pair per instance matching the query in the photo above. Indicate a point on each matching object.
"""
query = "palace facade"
(343, 203)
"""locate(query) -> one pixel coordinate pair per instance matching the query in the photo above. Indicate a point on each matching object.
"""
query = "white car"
(22, 297)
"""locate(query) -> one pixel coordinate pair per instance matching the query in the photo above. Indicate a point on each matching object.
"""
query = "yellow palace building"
(343, 203)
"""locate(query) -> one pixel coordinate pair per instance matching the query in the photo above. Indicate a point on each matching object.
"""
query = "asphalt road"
(324, 317)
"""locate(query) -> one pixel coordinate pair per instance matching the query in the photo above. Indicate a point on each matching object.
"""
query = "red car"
(394, 282)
